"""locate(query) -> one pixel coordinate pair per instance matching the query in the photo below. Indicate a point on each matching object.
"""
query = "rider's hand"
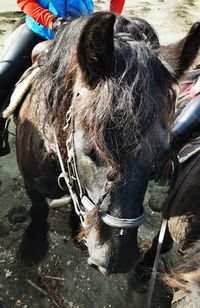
(57, 22)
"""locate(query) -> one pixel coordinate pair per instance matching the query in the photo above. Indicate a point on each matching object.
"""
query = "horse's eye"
(93, 155)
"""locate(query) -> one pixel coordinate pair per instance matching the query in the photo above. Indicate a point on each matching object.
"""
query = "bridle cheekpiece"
(82, 204)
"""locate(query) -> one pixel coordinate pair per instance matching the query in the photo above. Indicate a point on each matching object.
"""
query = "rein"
(155, 265)
(82, 204)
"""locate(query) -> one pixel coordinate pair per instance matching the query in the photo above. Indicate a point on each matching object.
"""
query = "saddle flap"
(189, 149)
(20, 90)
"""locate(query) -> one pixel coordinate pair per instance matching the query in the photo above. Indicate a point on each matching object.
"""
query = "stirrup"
(4, 144)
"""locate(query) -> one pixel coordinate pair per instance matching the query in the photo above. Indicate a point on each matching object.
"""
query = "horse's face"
(113, 249)
(119, 133)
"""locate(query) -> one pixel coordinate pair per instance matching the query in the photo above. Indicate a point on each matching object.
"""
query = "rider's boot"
(187, 124)
(4, 144)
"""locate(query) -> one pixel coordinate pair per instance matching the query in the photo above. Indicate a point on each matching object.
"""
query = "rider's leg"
(13, 64)
(186, 124)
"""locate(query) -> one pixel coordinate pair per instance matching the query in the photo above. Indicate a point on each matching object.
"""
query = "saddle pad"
(189, 150)
(189, 87)
(20, 90)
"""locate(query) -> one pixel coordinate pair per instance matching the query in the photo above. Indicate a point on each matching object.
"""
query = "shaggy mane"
(121, 109)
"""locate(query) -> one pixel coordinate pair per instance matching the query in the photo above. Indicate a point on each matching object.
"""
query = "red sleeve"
(116, 6)
(37, 12)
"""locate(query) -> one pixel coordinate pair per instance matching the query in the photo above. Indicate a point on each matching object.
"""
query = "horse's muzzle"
(110, 267)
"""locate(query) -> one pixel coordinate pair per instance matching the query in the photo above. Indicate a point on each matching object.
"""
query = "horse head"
(116, 84)
(124, 99)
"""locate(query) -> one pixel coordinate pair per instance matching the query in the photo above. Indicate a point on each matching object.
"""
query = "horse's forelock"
(121, 109)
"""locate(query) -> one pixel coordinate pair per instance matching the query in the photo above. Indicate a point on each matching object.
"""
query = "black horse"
(106, 87)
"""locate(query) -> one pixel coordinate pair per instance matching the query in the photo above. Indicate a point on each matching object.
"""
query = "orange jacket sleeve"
(116, 6)
(45, 17)
(37, 12)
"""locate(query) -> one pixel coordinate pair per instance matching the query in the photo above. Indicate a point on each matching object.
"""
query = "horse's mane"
(121, 108)
(187, 273)
(56, 76)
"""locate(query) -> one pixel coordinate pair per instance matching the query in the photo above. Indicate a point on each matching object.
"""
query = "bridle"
(82, 203)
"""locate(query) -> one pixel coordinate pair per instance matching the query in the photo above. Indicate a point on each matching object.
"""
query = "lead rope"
(155, 265)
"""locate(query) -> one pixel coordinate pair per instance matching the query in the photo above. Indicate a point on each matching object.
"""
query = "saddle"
(20, 90)
(39, 48)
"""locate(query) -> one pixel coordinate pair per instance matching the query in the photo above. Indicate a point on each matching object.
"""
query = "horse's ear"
(181, 54)
(96, 48)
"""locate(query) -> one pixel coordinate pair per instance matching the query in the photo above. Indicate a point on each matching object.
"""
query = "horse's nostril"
(94, 266)
(100, 268)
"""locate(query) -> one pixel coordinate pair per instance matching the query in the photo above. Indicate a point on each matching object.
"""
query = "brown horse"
(183, 213)
(181, 209)
(106, 88)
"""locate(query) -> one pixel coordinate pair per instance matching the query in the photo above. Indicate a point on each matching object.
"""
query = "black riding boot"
(4, 144)
(186, 124)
